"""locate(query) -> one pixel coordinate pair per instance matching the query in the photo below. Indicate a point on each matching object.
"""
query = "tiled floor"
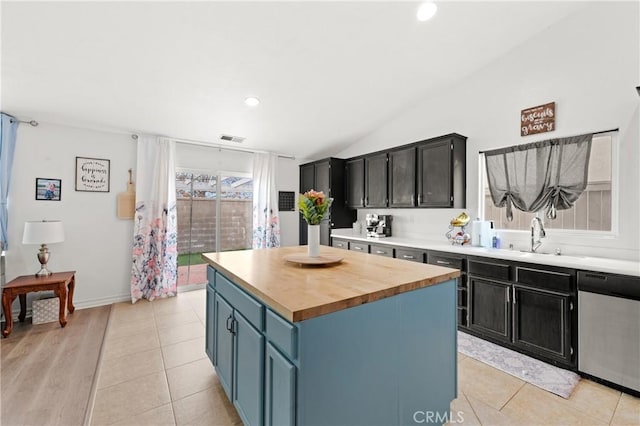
(155, 372)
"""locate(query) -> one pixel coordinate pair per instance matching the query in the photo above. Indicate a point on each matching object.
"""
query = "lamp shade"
(43, 232)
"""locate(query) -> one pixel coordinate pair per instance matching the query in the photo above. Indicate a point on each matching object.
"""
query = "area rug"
(545, 376)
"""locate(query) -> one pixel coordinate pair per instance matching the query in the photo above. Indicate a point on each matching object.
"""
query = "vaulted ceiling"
(326, 73)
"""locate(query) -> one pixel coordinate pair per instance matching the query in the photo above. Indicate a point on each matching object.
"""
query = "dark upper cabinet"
(323, 177)
(327, 176)
(429, 173)
(307, 177)
(402, 177)
(354, 176)
(375, 182)
(441, 172)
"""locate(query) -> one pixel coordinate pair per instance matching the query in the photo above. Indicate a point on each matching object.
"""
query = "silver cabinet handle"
(442, 262)
(380, 252)
(408, 256)
(357, 248)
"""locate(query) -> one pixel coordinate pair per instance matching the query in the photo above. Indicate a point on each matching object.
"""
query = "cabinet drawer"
(410, 254)
(381, 250)
(551, 280)
(343, 244)
(211, 276)
(282, 334)
(361, 247)
(501, 271)
(443, 259)
(251, 309)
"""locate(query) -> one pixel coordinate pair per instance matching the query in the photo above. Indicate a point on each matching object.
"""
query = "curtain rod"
(211, 145)
(594, 133)
(33, 123)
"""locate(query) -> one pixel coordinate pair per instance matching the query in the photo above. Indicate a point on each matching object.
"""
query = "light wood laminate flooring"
(47, 372)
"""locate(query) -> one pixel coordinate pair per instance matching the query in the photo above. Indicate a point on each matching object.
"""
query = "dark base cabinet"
(525, 308)
(542, 322)
(490, 308)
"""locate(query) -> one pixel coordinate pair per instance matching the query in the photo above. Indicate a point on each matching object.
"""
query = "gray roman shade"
(548, 175)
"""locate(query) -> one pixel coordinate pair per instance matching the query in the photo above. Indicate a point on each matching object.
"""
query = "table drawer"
(250, 308)
(410, 254)
(282, 334)
(501, 271)
(342, 244)
(361, 247)
(381, 250)
(443, 259)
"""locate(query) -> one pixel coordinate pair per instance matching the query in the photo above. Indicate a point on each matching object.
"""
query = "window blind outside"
(548, 175)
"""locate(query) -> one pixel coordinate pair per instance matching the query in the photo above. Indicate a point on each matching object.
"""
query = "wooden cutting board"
(127, 201)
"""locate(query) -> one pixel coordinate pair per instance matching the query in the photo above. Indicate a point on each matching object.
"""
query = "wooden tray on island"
(303, 259)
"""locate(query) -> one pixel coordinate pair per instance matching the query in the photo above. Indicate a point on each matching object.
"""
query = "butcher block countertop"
(300, 292)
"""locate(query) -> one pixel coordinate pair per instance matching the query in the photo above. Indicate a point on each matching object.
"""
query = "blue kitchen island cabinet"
(364, 342)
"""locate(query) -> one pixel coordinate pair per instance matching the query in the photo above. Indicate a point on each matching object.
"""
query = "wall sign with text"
(92, 174)
(539, 119)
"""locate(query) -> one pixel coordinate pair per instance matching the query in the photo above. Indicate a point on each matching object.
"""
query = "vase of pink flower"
(314, 207)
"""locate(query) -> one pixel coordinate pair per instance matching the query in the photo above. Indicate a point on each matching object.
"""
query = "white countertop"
(587, 263)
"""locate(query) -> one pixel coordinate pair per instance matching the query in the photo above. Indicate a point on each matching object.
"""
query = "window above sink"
(595, 212)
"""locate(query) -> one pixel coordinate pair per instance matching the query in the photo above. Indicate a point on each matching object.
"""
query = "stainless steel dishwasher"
(609, 328)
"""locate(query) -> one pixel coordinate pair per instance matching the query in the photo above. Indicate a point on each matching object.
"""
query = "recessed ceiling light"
(252, 101)
(426, 11)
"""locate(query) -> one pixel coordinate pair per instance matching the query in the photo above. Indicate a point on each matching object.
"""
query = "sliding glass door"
(214, 214)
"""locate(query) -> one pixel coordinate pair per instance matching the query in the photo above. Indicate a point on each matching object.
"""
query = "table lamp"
(43, 233)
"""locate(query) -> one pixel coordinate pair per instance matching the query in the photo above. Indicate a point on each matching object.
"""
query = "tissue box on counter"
(45, 310)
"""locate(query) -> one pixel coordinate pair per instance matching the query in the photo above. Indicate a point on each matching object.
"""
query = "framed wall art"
(48, 189)
(92, 174)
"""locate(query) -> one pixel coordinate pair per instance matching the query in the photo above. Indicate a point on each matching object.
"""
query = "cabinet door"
(435, 175)
(402, 178)
(280, 389)
(307, 177)
(354, 176)
(542, 322)
(375, 183)
(223, 347)
(248, 371)
(322, 180)
(307, 182)
(490, 308)
(210, 325)
(325, 233)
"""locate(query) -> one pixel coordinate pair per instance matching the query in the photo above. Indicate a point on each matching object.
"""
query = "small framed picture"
(48, 189)
(92, 174)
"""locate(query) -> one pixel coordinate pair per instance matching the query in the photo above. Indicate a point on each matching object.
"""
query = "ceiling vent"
(230, 138)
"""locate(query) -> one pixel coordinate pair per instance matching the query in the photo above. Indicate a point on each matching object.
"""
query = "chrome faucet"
(537, 233)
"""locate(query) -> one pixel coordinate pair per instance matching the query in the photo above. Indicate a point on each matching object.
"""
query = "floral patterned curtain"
(266, 226)
(155, 244)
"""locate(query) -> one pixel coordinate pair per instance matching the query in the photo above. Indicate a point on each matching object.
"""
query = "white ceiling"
(327, 73)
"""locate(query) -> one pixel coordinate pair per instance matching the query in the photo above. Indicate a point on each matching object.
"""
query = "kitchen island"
(367, 340)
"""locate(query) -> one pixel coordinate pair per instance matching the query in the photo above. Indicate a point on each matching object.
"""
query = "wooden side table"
(62, 284)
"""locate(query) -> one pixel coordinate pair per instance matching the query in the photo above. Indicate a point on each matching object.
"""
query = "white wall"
(589, 65)
(97, 244)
